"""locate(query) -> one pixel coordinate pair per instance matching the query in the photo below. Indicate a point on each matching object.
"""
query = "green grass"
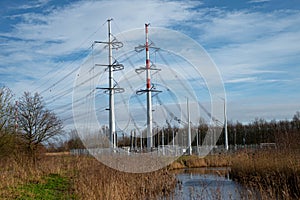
(52, 186)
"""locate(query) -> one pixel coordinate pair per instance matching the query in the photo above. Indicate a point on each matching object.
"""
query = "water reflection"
(206, 184)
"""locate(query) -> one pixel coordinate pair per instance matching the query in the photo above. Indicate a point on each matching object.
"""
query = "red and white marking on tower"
(148, 86)
(148, 74)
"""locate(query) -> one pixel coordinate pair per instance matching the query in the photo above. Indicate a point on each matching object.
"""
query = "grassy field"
(70, 177)
(273, 174)
(61, 176)
(51, 186)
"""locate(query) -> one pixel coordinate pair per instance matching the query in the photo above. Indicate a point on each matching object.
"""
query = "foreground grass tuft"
(52, 186)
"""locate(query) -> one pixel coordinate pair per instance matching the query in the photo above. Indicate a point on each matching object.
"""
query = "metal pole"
(131, 141)
(141, 141)
(225, 127)
(162, 140)
(173, 135)
(189, 129)
(135, 140)
(111, 91)
(149, 100)
(197, 138)
(173, 142)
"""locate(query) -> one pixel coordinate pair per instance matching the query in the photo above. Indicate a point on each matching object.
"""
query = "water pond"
(207, 184)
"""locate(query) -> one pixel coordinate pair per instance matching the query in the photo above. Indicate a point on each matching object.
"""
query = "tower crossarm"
(141, 47)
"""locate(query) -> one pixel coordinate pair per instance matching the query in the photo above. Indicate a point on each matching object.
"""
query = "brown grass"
(275, 174)
(218, 160)
(119, 185)
(89, 178)
(193, 161)
(64, 153)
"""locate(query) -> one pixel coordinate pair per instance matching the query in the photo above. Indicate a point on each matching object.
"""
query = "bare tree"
(6, 122)
(296, 121)
(6, 109)
(37, 124)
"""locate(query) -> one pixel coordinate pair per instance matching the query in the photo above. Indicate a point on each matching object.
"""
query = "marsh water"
(207, 183)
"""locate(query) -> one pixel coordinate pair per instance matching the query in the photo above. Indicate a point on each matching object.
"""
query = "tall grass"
(274, 174)
(89, 179)
(194, 161)
(92, 175)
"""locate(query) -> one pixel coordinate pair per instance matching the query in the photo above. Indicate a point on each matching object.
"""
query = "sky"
(254, 44)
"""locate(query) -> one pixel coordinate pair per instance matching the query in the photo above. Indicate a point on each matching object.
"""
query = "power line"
(58, 66)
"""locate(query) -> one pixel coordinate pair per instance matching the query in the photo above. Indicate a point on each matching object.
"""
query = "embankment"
(193, 161)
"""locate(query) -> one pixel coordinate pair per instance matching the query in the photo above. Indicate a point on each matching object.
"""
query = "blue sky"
(254, 43)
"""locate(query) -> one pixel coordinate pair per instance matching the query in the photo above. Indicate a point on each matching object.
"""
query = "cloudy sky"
(254, 43)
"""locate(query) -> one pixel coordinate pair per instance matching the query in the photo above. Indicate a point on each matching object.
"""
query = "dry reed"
(89, 178)
(274, 174)
(193, 161)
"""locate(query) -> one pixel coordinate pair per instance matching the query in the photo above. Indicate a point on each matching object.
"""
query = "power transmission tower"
(112, 88)
(149, 86)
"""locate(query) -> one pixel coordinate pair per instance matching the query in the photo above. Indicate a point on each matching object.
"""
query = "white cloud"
(257, 54)
(245, 44)
(60, 31)
(243, 80)
(258, 1)
(29, 5)
(39, 38)
(248, 109)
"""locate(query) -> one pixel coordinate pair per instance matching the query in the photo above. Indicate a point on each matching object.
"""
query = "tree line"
(26, 126)
(282, 133)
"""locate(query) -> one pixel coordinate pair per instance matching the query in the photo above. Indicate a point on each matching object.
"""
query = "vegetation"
(36, 123)
(6, 122)
(71, 141)
(261, 131)
(71, 177)
(25, 126)
(274, 174)
(193, 161)
(257, 132)
(51, 186)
